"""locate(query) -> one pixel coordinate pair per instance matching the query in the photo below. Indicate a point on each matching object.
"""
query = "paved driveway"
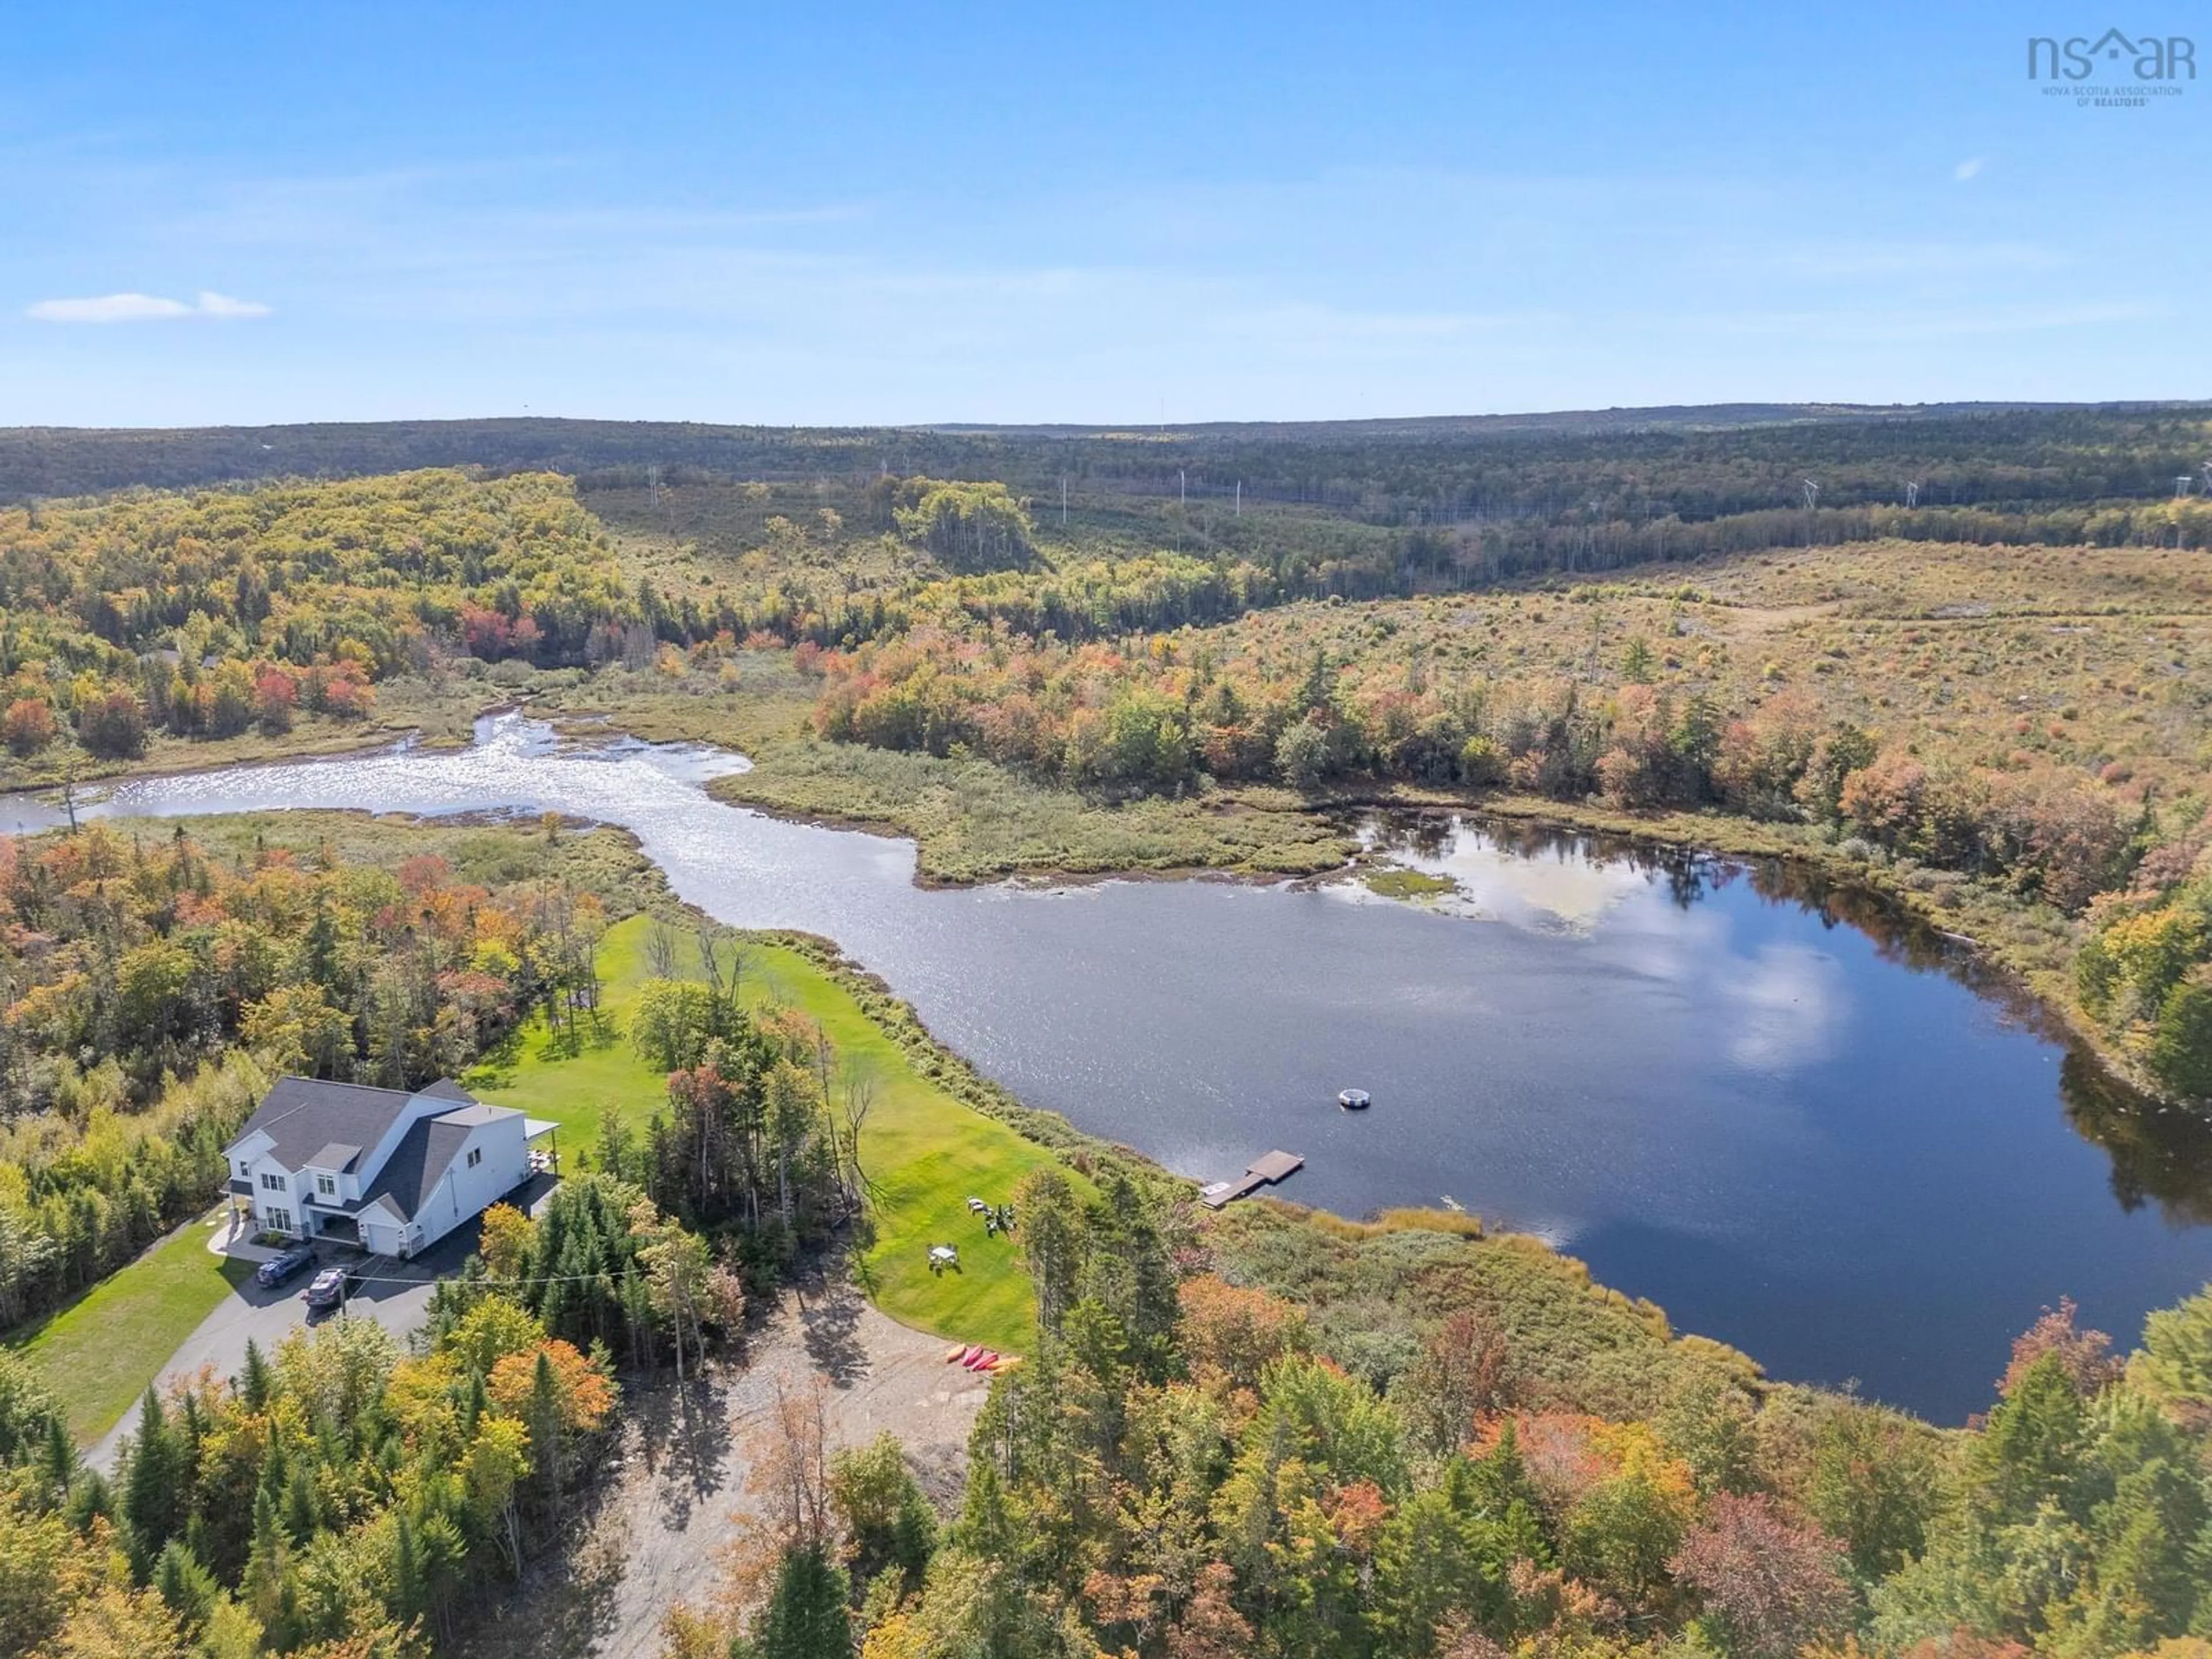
(398, 1298)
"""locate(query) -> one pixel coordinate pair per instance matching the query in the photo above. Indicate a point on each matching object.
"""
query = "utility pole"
(1063, 501)
(1240, 498)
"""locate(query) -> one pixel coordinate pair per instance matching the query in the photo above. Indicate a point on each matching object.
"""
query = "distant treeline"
(1630, 466)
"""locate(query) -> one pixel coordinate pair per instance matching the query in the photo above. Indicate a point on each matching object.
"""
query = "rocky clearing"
(673, 1501)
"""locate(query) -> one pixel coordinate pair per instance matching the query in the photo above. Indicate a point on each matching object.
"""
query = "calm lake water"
(1793, 1122)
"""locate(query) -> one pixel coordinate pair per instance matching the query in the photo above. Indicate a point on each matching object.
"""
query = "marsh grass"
(1395, 882)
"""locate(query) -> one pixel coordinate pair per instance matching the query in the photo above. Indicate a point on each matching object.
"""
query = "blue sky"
(857, 214)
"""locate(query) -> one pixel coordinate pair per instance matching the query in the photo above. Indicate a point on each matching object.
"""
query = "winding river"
(1796, 1122)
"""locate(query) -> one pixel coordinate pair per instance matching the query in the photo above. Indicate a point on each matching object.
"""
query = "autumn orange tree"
(156, 987)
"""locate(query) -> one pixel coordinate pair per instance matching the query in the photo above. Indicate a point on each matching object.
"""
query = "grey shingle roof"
(306, 1115)
(337, 1157)
(416, 1165)
(475, 1112)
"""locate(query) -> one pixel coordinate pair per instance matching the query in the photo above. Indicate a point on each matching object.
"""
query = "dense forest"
(1262, 1433)
(208, 615)
(154, 988)
(236, 610)
(345, 1494)
(342, 1496)
(1278, 1438)
(1694, 463)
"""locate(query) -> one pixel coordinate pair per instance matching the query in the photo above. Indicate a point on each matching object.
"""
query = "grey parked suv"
(281, 1266)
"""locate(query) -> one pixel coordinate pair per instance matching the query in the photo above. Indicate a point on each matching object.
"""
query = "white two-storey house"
(390, 1171)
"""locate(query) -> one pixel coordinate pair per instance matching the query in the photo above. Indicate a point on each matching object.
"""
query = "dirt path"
(665, 1514)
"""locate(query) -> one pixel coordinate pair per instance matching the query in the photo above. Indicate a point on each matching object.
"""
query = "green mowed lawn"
(923, 1151)
(104, 1350)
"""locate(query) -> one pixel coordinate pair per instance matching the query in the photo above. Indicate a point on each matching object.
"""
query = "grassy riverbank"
(924, 1150)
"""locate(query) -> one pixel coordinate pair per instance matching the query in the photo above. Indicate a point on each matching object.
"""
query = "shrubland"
(1261, 1436)
(2045, 743)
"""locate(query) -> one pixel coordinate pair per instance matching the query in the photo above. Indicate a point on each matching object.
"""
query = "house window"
(274, 1183)
(279, 1220)
(326, 1185)
(476, 1156)
(245, 1167)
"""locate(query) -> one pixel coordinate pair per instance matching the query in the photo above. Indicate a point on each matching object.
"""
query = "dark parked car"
(329, 1288)
(281, 1266)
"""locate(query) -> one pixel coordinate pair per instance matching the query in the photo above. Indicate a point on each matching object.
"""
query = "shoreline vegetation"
(1989, 715)
(973, 822)
(1263, 1432)
(971, 825)
(1455, 1431)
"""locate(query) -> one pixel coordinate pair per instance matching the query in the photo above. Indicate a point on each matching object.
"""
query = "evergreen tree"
(548, 1448)
(1438, 1560)
(189, 1588)
(267, 1589)
(299, 1505)
(57, 1460)
(254, 1380)
(1051, 1232)
(152, 1486)
(2031, 1452)
(407, 1598)
(807, 1616)
(1128, 1268)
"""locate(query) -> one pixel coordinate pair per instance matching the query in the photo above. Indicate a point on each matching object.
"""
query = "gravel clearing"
(667, 1514)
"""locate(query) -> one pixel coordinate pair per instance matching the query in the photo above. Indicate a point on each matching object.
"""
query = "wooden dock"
(1262, 1172)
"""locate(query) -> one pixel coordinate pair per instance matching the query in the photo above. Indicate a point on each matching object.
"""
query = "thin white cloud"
(212, 304)
(143, 308)
(1969, 169)
(109, 308)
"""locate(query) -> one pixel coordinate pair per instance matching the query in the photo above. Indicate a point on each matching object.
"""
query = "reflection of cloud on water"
(1555, 891)
(1662, 942)
(1784, 1009)
(1778, 1010)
